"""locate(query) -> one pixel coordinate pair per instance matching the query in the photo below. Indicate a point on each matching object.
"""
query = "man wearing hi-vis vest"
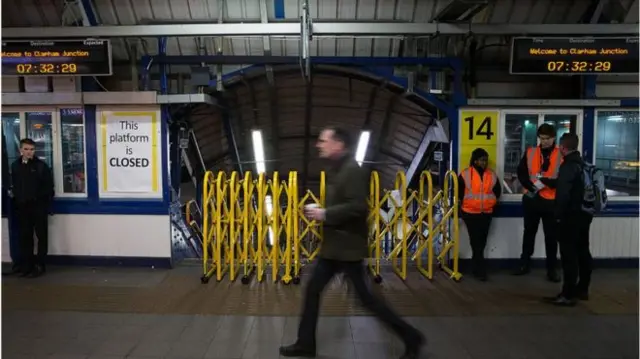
(538, 173)
(478, 191)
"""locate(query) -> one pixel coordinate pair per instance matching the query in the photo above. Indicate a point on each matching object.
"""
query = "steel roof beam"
(319, 29)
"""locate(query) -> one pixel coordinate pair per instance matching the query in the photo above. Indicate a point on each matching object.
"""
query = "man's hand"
(314, 213)
(546, 181)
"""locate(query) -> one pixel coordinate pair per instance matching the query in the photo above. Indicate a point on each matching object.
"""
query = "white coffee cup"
(311, 205)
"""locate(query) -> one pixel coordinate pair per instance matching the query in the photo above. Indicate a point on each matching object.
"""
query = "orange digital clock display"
(579, 66)
(89, 57)
(44, 69)
(574, 55)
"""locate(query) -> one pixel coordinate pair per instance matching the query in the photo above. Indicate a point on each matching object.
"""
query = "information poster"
(129, 152)
(478, 129)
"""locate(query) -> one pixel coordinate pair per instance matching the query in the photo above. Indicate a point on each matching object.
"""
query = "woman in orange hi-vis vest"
(479, 191)
(537, 172)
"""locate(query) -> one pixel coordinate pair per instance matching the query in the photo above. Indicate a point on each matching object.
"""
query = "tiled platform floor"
(134, 313)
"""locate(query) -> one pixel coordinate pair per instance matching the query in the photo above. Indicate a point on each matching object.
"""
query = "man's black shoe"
(16, 269)
(582, 295)
(481, 276)
(522, 270)
(561, 300)
(552, 276)
(551, 299)
(25, 272)
(37, 271)
(296, 350)
(414, 346)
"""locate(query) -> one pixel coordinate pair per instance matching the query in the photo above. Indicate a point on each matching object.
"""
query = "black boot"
(38, 270)
(16, 269)
(523, 269)
(26, 271)
(297, 350)
(480, 271)
(561, 300)
(582, 293)
(413, 346)
(552, 276)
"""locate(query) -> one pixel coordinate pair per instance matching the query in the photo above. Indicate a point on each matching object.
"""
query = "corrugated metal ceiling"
(16, 13)
(397, 128)
(397, 124)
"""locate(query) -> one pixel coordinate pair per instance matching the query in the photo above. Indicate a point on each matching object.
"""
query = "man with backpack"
(580, 193)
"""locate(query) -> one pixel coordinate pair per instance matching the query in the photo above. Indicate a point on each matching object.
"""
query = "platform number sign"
(484, 129)
(478, 129)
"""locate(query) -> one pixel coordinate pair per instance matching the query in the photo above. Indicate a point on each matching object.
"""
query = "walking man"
(32, 191)
(344, 247)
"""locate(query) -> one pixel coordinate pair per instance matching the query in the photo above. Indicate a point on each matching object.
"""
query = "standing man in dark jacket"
(32, 191)
(573, 224)
(537, 172)
(344, 247)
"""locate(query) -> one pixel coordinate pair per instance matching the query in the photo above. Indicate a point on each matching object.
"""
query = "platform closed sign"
(129, 148)
(478, 129)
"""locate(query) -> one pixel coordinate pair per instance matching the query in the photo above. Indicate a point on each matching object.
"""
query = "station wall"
(612, 240)
(6, 253)
(608, 138)
(110, 165)
(82, 232)
(94, 235)
(500, 84)
(95, 239)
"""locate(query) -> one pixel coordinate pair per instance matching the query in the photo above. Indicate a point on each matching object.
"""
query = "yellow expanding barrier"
(375, 223)
(449, 219)
(256, 227)
(446, 226)
(208, 223)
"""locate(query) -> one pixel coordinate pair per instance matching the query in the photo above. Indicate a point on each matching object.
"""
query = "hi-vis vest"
(534, 163)
(478, 191)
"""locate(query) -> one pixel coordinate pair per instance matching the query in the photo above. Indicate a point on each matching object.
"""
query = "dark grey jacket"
(570, 188)
(31, 182)
(345, 226)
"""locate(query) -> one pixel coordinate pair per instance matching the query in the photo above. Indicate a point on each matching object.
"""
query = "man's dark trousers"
(33, 218)
(536, 209)
(323, 272)
(575, 254)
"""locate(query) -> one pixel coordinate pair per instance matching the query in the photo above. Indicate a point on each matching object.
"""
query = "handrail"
(195, 142)
(188, 210)
(187, 162)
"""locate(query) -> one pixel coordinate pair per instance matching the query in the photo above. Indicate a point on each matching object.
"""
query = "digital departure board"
(574, 56)
(90, 57)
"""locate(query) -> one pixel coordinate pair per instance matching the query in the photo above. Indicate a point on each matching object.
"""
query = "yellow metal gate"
(256, 226)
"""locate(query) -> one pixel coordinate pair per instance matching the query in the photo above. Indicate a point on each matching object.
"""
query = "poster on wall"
(478, 129)
(129, 152)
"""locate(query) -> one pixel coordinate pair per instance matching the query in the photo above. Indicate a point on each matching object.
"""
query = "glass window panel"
(519, 134)
(562, 123)
(617, 151)
(11, 135)
(72, 150)
(39, 130)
